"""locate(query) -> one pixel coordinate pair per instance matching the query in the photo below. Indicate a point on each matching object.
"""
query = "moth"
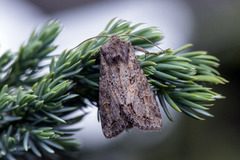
(126, 99)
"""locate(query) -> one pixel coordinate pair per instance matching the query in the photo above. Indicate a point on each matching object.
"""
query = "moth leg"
(95, 54)
(146, 52)
(141, 49)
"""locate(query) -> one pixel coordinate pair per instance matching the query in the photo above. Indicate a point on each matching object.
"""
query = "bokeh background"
(213, 26)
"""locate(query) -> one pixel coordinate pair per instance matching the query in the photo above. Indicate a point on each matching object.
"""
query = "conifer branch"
(33, 110)
(23, 65)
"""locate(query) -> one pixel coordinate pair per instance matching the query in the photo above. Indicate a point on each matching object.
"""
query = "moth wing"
(142, 109)
(109, 102)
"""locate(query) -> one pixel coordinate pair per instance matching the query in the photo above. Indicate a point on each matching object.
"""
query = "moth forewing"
(125, 96)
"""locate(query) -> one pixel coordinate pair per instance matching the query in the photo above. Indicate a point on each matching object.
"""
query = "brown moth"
(126, 99)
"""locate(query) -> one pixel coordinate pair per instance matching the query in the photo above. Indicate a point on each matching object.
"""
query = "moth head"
(115, 39)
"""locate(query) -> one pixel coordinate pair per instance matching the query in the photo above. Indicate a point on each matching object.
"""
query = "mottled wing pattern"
(112, 89)
(142, 108)
(125, 97)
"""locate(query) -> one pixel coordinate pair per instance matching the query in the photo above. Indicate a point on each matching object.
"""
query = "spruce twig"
(33, 110)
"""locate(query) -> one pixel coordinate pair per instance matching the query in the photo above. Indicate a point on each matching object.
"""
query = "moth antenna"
(90, 39)
(144, 39)
(119, 35)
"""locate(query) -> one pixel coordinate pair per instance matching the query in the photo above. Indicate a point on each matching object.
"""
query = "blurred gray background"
(213, 26)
